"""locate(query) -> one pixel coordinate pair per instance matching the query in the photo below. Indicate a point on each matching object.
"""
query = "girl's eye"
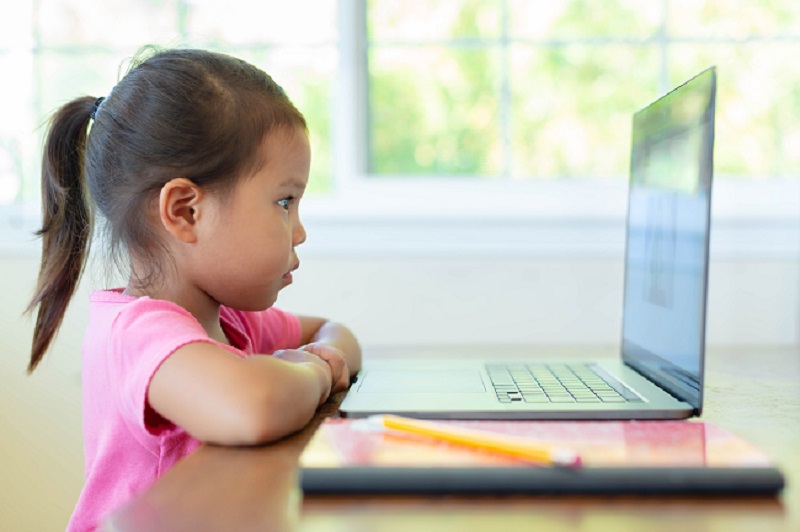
(285, 202)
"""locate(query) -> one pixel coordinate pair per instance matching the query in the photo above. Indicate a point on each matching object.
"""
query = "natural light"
(463, 110)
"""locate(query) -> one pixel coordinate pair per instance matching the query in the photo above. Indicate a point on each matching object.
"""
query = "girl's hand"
(334, 357)
(300, 356)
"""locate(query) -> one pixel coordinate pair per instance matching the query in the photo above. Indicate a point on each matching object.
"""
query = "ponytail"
(191, 113)
(66, 222)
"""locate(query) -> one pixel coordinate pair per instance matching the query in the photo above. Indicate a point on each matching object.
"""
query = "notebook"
(659, 373)
(619, 457)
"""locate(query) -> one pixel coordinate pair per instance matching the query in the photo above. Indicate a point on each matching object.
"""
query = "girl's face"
(249, 254)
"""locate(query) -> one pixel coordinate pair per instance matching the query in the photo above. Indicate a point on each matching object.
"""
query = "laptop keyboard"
(557, 383)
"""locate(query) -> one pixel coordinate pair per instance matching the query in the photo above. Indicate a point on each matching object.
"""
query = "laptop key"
(557, 383)
(611, 393)
(536, 399)
(613, 399)
(534, 392)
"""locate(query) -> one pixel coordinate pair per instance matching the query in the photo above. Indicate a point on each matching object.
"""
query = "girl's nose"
(299, 233)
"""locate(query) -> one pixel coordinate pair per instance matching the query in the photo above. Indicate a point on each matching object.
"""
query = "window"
(430, 112)
(60, 49)
(514, 89)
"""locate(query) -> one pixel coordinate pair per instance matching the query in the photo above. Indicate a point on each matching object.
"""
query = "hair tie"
(96, 107)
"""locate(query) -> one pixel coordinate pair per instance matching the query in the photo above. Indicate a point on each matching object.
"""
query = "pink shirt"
(127, 445)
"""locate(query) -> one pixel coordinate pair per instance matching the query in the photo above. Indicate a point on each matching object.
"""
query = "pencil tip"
(566, 457)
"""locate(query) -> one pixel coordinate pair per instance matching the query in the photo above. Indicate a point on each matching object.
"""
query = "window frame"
(431, 216)
(367, 215)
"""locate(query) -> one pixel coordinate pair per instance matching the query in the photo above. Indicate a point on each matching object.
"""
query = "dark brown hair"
(176, 113)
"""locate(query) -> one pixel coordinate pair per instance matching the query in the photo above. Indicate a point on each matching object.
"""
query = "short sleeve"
(267, 331)
(143, 335)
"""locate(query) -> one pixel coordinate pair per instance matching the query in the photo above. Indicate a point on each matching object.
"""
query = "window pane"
(758, 105)
(572, 107)
(733, 18)
(434, 110)
(582, 19)
(17, 147)
(62, 76)
(15, 25)
(10, 168)
(68, 48)
(264, 21)
(426, 20)
(561, 78)
(107, 23)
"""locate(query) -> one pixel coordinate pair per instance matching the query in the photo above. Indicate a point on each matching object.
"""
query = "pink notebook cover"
(346, 443)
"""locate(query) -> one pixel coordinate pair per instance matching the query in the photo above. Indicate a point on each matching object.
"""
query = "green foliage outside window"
(489, 89)
(526, 89)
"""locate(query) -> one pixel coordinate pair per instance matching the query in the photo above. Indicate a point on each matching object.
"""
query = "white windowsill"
(444, 218)
(465, 218)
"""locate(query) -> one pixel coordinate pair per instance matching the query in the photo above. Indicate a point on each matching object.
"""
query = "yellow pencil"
(477, 439)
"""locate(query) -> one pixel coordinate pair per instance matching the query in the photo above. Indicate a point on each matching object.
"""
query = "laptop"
(659, 374)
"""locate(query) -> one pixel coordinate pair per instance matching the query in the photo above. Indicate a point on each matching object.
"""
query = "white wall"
(536, 300)
(41, 453)
(387, 301)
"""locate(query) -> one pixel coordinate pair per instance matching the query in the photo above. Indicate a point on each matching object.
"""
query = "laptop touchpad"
(422, 381)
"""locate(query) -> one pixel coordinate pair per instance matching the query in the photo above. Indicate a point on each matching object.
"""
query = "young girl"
(197, 162)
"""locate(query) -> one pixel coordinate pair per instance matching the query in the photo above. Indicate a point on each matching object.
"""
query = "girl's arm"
(336, 345)
(332, 334)
(221, 398)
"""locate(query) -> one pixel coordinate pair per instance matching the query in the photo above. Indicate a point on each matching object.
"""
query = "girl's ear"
(178, 208)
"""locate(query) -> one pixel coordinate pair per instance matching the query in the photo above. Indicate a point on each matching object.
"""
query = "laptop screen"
(666, 263)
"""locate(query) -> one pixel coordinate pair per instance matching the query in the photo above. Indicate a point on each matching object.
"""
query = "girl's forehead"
(284, 155)
(286, 141)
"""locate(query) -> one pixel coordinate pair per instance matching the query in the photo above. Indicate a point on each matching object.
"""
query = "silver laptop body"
(660, 372)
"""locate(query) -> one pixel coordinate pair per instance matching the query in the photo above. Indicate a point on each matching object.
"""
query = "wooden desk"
(753, 393)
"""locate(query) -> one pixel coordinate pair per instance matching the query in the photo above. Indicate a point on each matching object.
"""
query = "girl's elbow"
(266, 420)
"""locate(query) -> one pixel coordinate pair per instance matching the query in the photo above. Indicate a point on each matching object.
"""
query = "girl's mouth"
(288, 275)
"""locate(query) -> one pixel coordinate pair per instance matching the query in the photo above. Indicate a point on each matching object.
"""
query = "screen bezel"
(672, 378)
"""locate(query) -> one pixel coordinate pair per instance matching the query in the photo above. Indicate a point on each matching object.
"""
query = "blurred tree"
(549, 93)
